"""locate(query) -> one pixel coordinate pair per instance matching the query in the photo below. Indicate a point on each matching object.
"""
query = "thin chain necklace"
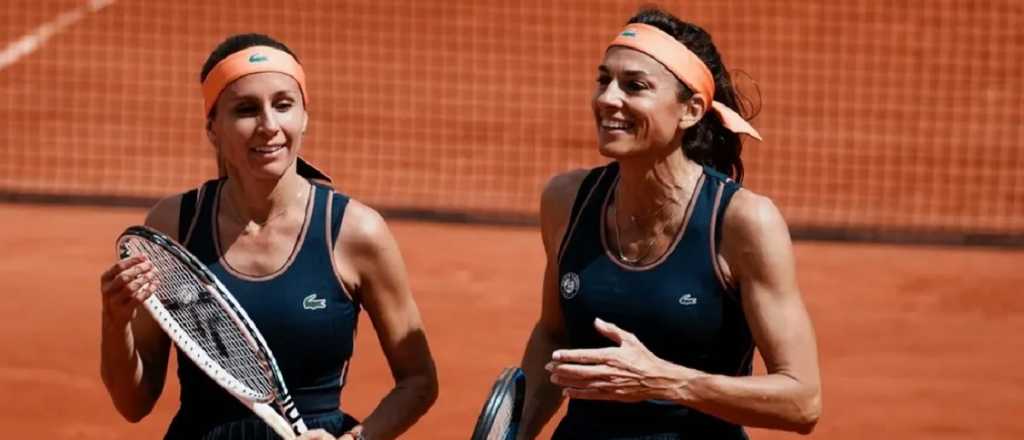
(647, 247)
(234, 211)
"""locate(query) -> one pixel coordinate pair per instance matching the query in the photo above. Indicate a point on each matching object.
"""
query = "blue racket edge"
(511, 384)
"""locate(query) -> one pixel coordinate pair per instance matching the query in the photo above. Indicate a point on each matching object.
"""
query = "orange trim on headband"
(686, 66)
(255, 59)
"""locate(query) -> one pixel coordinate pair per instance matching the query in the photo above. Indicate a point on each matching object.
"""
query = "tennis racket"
(499, 419)
(205, 321)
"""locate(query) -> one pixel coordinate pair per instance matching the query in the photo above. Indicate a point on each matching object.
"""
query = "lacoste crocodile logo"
(311, 302)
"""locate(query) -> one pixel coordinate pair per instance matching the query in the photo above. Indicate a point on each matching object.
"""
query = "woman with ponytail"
(663, 275)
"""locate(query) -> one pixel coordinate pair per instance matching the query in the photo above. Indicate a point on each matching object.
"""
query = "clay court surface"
(916, 342)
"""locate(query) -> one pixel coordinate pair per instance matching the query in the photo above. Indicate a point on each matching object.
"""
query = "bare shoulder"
(752, 216)
(561, 189)
(556, 202)
(363, 229)
(163, 216)
(755, 238)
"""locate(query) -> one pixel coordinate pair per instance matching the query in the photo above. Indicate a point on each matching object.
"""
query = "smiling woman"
(232, 81)
(269, 105)
(301, 259)
(663, 274)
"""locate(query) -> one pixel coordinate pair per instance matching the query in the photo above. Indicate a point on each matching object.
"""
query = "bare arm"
(757, 246)
(542, 397)
(133, 349)
(382, 286)
(759, 254)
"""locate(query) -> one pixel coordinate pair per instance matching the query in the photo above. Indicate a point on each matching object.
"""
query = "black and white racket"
(205, 321)
(499, 419)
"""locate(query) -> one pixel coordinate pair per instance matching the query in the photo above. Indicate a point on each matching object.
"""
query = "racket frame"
(285, 420)
(511, 383)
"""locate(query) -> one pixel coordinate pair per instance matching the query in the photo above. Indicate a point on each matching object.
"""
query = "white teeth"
(616, 125)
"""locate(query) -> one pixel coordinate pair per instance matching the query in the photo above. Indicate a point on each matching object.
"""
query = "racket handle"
(294, 418)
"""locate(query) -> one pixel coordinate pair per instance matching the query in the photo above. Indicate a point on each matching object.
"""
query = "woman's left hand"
(626, 373)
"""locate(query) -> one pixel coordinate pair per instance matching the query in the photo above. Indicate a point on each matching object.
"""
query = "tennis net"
(881, 119)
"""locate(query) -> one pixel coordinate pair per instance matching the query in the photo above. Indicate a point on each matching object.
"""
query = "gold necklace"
(237, 214)
(618, 239)
(646, 249)
(633, 219)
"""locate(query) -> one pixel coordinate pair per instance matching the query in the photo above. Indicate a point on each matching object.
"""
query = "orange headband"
(255, 59)
(686, 66)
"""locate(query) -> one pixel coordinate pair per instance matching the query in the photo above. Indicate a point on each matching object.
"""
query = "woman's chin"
(616, 150)
(268, 171)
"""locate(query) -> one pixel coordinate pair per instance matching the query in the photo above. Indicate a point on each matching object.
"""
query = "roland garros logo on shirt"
(570, 285)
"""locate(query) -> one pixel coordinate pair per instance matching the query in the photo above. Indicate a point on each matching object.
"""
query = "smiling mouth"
(268, 149)
(611, 125)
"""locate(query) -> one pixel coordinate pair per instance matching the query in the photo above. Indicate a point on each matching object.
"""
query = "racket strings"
(202, 317)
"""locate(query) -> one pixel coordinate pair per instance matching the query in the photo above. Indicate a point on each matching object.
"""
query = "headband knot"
(686, 66)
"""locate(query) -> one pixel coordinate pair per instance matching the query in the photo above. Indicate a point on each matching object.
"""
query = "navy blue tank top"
(302, 310)
(679, 306)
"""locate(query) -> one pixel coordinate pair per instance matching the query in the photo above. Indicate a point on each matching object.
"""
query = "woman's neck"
(261, 201)
(652, 190)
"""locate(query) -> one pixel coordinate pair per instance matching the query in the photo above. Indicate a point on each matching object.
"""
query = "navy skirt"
(252, 428)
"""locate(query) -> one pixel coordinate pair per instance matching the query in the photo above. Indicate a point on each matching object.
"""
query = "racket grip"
(294, 418)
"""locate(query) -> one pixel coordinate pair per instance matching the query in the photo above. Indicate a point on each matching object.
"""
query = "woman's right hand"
(124, 286)
(316, 434)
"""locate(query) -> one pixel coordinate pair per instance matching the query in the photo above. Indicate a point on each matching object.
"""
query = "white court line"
(31, 41)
